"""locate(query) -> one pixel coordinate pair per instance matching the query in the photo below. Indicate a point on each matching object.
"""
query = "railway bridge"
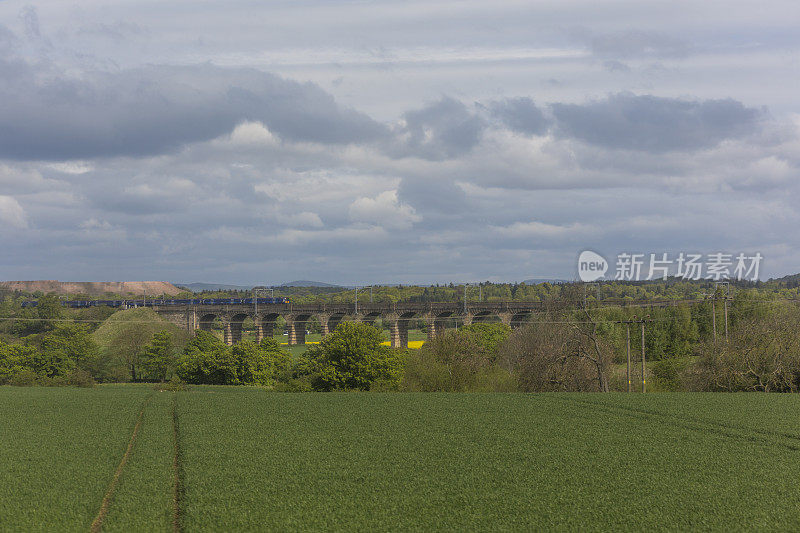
(395, 315)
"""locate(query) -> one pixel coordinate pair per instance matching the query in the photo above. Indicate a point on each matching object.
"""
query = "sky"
(259, 142)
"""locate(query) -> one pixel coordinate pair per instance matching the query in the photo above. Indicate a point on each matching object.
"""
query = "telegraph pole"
(714, 314)
(628, 345)
(644, 366)
(628, 328)
(644, 359)
(726, 292)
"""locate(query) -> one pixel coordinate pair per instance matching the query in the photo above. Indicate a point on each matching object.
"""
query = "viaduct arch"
(437, 316)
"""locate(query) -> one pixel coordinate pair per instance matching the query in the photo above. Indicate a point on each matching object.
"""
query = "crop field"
(226, 458)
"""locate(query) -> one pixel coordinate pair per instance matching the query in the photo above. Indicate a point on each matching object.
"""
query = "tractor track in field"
(97, 524)
(764, 437)
(759, 436)
(177, 487)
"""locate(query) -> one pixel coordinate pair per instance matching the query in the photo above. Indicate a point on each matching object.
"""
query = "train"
(80, 304)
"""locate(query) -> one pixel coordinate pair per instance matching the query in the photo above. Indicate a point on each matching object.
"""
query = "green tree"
(15, 358)
(206, 359)
(158, 357)
(73, 341)
(489, 336)
(39, 319)
(352, 357)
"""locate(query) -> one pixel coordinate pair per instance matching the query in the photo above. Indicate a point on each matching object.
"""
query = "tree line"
(570, 346)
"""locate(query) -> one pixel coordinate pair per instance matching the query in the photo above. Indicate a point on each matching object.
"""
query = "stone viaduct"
(396, 316)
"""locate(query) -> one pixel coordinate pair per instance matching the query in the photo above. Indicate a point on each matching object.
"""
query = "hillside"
(93, 288)
(307, 283)
(134, 328)
(200, 287)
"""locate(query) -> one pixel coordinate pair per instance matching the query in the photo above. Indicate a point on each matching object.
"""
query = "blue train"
(78, 304)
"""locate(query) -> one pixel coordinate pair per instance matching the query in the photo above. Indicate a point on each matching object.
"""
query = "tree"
(125, 335)
(488, 335)
(763, 354)
(457, 361)
(15, 358)
(47, 311)
(352, 357)
(565, 351)
(158, 357)
(72, 341)
(207, 360)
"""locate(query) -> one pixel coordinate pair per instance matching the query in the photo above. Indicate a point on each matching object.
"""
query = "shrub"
(79, 378)
(24, 378)
(668, 374)
(459, 361)
(174, 384)
(207, 360)
(352, 357)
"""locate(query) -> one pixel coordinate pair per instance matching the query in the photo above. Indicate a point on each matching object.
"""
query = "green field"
(250, 459)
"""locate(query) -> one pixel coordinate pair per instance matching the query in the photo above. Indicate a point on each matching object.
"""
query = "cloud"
(441, 130)
(655, 124)
(53, 115)
(12, 213)
(384, 210)
(252, 133)
(520, 115)
(638, 44)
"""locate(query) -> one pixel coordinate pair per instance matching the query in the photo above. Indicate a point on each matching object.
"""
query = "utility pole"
(628, 328)
(641, 321)
(356, 300)
(726, 291)
(628, 345)
(714, 314)
(644, 365)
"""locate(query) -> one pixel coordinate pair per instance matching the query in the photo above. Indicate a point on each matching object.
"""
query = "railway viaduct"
(397, 316)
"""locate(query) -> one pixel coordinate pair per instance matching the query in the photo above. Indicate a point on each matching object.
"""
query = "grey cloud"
(632, 44)
(616, 66)
(520, 115)
(655, 124)
(30, 19)
(157, 109)
(442, 130)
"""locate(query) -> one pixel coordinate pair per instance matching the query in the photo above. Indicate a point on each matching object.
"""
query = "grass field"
(250, 459)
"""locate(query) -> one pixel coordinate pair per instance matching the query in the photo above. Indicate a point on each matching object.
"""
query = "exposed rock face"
(93, 288)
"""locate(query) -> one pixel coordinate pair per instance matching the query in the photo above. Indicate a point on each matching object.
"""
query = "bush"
(668, 374)
(294, 385)
(174, 384)
(207, 360)
(459, 361)
(79, 378)
(352, 357)
(24, 378)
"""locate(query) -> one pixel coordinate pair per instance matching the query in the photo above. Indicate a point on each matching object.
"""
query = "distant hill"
(306, 283)
(93, 288)
(536, 281)
(200, 287)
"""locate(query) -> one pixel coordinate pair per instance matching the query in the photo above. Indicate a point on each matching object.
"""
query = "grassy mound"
(134, 327)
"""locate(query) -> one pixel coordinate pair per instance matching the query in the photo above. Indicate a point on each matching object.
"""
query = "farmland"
(255, 459)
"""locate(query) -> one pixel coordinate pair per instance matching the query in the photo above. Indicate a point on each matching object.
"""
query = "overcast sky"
(395, 142)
